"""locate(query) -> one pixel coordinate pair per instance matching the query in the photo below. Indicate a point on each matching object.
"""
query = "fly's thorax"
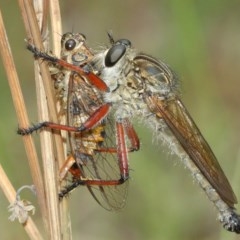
(127, 99)
(156, 76)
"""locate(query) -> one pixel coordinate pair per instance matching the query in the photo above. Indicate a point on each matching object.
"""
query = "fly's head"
(114, 64)
(74, 49)
(123, 67)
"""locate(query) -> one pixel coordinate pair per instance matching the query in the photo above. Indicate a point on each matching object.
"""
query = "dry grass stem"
(58, 226)
(23, 121)
(44, 91)
(35, 18)
(56, 27)
(47, 150)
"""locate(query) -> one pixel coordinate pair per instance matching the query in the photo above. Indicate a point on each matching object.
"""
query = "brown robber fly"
(143, 87)
(140, 86)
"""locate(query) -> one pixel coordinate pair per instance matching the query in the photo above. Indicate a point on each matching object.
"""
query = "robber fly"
(144, 87)
(94, 155)
(138, 85)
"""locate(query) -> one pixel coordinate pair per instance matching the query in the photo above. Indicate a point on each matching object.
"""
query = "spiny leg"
(93, 78)
(93, 120)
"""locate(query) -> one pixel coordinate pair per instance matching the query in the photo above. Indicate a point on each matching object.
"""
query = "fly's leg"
(90, 182)
(93, 79)
(70, 164)
(122, 154)
(121, 151)
(132, 136)
(93, 120)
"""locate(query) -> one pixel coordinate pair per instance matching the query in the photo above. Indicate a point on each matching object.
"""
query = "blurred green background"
(200, 40)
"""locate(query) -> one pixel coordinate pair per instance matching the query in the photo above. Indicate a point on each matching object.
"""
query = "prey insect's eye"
(70, 44)
(116, 52)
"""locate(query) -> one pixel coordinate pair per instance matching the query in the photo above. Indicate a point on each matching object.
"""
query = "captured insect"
(138, 85)
(94, 158)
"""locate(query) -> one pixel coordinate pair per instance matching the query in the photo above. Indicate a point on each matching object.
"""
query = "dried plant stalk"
(56, 227)
(56, 28)
(8, 190)
(44, 91)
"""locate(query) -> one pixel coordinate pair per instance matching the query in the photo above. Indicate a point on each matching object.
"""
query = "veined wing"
(190, 138)
(83, 100)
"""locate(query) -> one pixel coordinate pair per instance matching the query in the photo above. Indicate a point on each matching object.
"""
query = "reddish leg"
(93, 78)
(96, 117)
(122, 153)
(93, 120)
(132, 136)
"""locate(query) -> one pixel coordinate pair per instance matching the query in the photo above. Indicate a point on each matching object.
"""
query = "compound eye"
(114, 55)
(124, 42)
(70, 44)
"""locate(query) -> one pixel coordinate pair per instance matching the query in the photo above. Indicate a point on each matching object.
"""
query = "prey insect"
(95, 160)
(146, 88)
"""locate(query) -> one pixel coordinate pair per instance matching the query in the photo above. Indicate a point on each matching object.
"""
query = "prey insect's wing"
(90, 147)
(190, 138)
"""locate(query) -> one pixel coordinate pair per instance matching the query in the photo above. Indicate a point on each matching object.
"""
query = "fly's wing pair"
(173, 112)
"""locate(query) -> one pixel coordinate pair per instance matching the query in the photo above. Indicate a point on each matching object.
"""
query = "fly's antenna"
(110, 37)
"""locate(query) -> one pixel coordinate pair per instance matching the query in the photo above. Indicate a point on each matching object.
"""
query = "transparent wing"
(83, 100)
(185, 130)
(105, 166)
